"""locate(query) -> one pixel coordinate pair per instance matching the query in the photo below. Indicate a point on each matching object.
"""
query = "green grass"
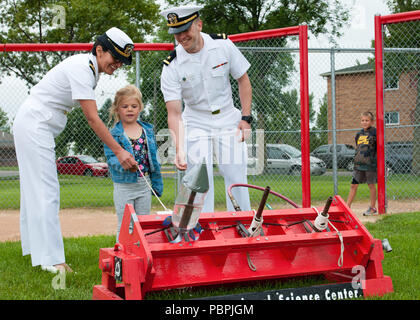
(402, 264)
(80, 191)
(20, 281)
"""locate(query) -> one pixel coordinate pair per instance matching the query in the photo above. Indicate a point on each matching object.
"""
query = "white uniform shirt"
(71, 80)
(202, 79)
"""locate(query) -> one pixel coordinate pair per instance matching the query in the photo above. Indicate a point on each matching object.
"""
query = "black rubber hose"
(235, 204)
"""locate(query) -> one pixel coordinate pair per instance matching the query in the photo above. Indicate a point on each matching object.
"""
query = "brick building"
(356, 92)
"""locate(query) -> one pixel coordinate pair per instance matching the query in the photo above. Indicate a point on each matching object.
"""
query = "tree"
(237, 16)
(78, 135)
(270, 71)
(320, 137)
(29, 21)
(4, 121)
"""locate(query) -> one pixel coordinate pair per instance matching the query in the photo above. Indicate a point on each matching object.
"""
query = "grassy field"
(80, 191)
(20, 281)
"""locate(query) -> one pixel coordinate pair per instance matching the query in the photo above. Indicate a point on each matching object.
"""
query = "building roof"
(360, 68)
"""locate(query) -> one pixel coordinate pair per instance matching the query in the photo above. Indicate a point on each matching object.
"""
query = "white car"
(283, 158)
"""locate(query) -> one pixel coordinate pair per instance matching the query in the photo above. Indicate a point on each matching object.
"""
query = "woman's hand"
(126, 160)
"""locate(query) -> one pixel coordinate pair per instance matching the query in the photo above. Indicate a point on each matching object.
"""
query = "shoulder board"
(217, 36)
(92, 67)
(169, 58)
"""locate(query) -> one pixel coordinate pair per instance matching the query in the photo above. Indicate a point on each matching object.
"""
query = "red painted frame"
(380, 21)
(301, 31)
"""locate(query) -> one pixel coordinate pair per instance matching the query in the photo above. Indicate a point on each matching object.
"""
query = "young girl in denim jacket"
(138, 138)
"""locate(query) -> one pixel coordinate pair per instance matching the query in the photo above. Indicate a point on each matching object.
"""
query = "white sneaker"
(51, 269)
(57, 268)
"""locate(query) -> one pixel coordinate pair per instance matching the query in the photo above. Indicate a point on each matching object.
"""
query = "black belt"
(216, 112)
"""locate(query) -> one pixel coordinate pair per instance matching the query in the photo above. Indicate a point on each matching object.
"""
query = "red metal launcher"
(288, 246)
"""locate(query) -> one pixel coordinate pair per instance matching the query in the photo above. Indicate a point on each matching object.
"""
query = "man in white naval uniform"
(197, 73)
(40, 119)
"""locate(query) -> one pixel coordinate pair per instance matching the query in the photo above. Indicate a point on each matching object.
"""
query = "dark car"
(81, 165)
(399, 157)
(345, 155)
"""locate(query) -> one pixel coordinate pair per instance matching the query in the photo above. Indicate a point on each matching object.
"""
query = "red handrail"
(264, 34)
(400, 17)
(32, 47)
(256, 35)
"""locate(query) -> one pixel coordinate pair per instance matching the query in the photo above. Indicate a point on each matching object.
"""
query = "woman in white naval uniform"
(197, 72)
(40, 119)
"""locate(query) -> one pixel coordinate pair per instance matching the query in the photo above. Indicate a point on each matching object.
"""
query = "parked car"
(283, 158)
(345, 155)
(81, 165)
(399, 157)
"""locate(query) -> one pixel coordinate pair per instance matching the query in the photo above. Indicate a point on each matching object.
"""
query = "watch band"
(247, 119)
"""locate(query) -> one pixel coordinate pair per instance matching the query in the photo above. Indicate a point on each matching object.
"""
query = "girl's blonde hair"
(129, 91)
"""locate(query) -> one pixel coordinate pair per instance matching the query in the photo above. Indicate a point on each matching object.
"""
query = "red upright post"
(304, 109)
(379, 67)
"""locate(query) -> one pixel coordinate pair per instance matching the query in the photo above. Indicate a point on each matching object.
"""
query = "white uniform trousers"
(231, 157)
(34, 129)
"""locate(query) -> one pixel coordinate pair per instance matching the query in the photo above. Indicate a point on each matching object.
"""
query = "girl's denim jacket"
(118, 173)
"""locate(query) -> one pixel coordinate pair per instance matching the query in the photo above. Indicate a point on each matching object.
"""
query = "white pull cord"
(340, 259)
(321, 223)
(254, 231)
(166, 209)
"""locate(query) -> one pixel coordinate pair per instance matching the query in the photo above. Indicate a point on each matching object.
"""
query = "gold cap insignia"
(129, 49)
(172, 18)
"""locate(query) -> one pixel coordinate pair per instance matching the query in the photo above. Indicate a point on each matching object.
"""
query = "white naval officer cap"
(119, 43)
(180, 18)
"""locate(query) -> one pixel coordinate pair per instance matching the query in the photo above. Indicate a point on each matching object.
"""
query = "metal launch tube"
(189, 202)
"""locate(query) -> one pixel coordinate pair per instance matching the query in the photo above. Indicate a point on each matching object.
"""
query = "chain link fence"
(341, 85)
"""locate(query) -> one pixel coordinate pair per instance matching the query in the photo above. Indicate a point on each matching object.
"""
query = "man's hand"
(180, 162)
(244, 129)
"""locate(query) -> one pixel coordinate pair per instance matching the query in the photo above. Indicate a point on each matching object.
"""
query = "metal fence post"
(138, 69)
(333, 121)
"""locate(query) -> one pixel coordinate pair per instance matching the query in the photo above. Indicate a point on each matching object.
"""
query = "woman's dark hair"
(98, 43)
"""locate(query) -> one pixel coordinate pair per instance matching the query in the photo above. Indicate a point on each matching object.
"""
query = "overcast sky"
(358, 34)
(360, 31)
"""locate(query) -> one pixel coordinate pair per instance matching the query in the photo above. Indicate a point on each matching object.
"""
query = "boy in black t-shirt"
(365, 162)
